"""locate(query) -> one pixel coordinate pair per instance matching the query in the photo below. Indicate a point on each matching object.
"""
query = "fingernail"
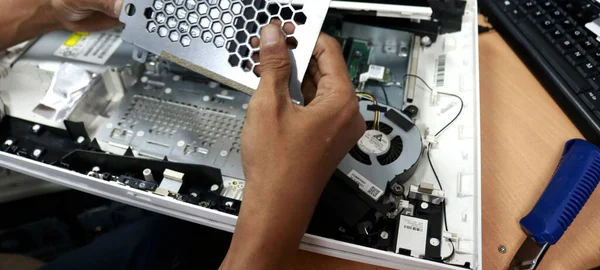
(270, 35)
(117, 8)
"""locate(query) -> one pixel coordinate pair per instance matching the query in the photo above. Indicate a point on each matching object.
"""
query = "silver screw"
(502, 249)
(229, 204)
(168, 90)
(214, 187)
(384, 235)
(80, 139)
(35, 128)
(8, 142)
(194, 194)
(224, 153)
(180, 143)
(424, 205)
(425, 41)
(37, 152)
(142, 185)
(176, 78)
(96, 169)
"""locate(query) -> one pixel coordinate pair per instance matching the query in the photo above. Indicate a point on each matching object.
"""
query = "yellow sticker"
(74, 38)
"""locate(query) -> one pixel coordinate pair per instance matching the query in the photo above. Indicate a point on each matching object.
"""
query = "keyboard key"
(590, 98)
(536, 14)
(576, 58)
(577, 34)
(565, 45)
(588, 69)
(555, 34)
(547, 5)
(516, 14)
(588, 44)
(556, 14)
(595, 54)
(508, 4)
(566, 24)
(545, 24)
(528, 6)
(594, 82)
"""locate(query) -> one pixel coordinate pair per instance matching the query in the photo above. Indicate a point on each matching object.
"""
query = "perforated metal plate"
(184, 121)
(213, 37)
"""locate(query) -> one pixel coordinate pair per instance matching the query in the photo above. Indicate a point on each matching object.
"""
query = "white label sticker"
(94, 48)
(376, 72)
(412, 235)
(374, 142)
(365, 185)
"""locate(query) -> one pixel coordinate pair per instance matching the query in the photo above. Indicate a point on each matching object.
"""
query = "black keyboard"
(551, 38)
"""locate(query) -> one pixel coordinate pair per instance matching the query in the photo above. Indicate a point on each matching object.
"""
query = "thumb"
(274, 61)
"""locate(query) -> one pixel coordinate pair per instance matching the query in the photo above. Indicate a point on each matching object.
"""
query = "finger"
(313, 71)
(332, 79)
(108, 7)
(309, 90)
(274, 62)
(95, 22)
(330, 59)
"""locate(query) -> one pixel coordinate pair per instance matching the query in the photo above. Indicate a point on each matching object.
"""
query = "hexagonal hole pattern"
(262, 18)
(174, 36)
(292, 43)
(186, 41)
(195, 32)
(233, 25)
(249, 13)
(244, 51)
(219, 41)
(149, 13)
(184, 27)
(234, 60)
(287, 13)
(241, 37)
(247, 65)
(273, 8)
(252, 27)
(224, 4)
(202, 8)
(289, 28)
(238, 23)
(228, 32)
(161, 18)
(231, 46)
(214, 13)
(193, 18)
(181, 13)
(207, 36)
(190, 4)
(158, 4)
(300, 18)
(151, 27)
(171, 22)
(227, 18)
(170, 9)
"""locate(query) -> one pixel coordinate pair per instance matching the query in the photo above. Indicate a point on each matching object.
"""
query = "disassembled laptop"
(161, 130)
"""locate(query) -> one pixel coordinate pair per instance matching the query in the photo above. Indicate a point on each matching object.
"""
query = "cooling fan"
(387, 152)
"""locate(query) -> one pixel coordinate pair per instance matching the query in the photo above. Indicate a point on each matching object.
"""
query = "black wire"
(387, 101)
(429, 146)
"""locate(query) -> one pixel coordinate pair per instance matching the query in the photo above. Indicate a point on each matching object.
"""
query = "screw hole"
(130, 9)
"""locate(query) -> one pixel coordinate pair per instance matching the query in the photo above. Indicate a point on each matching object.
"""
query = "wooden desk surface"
(523, 133)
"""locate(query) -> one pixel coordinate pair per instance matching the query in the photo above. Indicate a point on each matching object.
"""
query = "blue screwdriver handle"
(573, 182)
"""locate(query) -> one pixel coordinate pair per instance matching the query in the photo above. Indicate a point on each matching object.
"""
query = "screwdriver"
(573, 182)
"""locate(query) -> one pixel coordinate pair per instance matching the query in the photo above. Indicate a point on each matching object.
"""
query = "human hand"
(87, 15)
(289, 152)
